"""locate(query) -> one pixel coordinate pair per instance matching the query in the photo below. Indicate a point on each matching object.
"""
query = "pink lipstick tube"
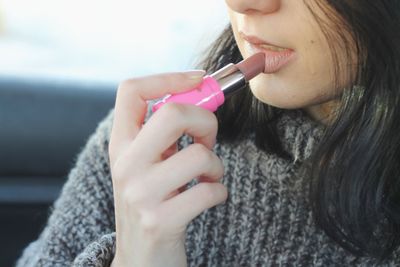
(215, 88)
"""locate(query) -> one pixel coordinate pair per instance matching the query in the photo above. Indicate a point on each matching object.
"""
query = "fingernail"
(195, 74)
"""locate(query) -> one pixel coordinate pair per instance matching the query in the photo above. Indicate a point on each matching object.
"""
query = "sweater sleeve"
(81, 228)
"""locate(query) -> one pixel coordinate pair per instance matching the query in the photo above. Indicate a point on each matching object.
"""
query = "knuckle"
(126, 84)
(201, 153)
(123, 170)
(135, 195)
(149, 222)
(213, 192)
(208, 190)
(173, 110)
(123, 86)
(151, 225)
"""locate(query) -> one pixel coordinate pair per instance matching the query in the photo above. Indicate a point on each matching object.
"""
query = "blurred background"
(60, 65)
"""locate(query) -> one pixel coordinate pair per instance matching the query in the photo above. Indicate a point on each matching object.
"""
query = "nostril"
(251, 11)
(254, 6)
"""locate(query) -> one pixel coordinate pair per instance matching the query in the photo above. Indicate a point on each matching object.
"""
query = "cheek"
(315, 60)
(312, 57)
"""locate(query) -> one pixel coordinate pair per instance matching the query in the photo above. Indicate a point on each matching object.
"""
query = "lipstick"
(215, 88)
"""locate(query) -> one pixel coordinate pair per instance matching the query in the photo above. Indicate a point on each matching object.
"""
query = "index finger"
(131, 101)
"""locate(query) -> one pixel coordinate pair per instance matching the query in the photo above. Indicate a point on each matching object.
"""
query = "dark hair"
(355, 183)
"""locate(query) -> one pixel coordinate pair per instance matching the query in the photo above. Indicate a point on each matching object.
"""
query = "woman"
(303, 172)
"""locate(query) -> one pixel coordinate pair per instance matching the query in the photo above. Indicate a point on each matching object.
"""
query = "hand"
(152, 205)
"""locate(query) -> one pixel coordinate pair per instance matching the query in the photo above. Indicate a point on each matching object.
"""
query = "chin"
(276, 94)
(276, 99)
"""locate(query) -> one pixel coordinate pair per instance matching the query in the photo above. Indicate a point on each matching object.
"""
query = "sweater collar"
(299, 133)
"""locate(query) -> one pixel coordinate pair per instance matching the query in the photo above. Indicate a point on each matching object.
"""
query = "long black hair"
(355, 170)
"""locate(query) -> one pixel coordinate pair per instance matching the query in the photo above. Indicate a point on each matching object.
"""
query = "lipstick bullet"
(215, 88)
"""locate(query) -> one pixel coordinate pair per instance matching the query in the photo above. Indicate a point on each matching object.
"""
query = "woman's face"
(306, 80)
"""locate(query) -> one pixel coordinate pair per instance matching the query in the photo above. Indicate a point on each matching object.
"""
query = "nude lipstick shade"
(215, 88)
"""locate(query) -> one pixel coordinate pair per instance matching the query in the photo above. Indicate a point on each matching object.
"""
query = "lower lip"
(274, 60)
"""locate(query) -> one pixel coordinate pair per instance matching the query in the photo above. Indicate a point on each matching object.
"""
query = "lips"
(257, 41)
(276, 57)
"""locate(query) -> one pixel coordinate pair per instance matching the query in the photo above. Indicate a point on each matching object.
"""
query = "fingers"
(191, 203)
(131, 102)
(170, 151)
(169, 123)
(178, 170)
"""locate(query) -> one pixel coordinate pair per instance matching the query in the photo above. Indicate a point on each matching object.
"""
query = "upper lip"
(256, 40)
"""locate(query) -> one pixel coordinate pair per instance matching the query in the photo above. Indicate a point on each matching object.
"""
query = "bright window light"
(108, 40)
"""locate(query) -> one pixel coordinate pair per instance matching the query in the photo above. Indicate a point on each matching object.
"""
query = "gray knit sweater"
(266, 220)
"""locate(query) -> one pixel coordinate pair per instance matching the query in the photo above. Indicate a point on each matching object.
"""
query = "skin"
(153, 205)
(149, 174)
(307, 82)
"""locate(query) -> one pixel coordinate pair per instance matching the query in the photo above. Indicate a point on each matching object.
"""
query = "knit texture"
(266, 220)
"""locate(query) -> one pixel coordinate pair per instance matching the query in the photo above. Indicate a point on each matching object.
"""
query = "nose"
(253, 6)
